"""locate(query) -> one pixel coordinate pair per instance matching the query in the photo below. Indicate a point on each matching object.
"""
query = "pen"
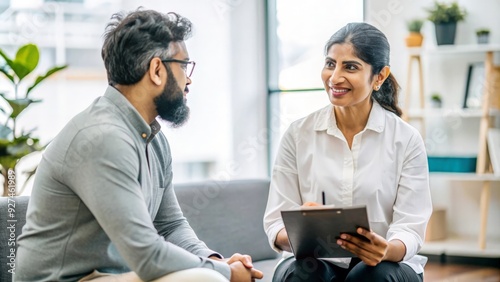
(323, 197)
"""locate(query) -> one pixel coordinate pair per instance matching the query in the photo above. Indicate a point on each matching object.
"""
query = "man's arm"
(171, 224)
(105, 177)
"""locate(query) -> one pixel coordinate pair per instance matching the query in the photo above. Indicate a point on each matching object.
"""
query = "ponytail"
(387, 95)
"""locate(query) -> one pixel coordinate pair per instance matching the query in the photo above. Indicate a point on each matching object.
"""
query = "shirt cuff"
(273, 233)
(216, 255)
(208, 253)
(223, 268)
(409, 241)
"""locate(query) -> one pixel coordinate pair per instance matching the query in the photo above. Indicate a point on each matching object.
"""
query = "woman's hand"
(282, 238)
(373, 251)
(310, 204)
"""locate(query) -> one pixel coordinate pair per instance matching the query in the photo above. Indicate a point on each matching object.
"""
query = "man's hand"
(246, 261)
(239, 273)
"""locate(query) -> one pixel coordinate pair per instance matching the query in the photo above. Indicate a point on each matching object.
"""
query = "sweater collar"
(146, 131)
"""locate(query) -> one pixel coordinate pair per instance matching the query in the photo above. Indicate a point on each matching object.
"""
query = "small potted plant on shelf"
(436, 101)
(415, 38)
(445, 17)
(483, 35)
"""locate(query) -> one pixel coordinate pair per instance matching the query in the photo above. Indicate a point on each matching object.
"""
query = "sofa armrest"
(10, 229)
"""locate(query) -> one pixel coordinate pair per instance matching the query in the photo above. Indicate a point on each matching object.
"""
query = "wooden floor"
(437, 272)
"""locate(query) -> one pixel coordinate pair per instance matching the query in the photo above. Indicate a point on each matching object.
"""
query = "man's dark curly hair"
(132, 40)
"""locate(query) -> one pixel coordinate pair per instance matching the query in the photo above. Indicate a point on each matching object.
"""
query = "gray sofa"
(226, 215)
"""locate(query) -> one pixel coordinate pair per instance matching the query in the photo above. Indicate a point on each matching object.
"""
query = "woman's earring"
(377, 88)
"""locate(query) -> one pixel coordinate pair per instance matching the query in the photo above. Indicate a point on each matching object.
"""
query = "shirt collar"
(146, 131)
(325, 120)
(376, 120)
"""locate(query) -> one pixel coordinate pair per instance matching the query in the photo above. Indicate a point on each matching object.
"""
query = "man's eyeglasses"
(187, 66)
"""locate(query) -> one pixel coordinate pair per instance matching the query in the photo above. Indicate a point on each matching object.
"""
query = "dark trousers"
(314, 270)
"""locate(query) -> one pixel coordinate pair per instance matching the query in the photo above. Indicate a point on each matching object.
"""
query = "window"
(298, 31)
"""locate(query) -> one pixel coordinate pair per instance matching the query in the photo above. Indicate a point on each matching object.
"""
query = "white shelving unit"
(464, 247)
(490, 110)
(465, 176)
(453, 112)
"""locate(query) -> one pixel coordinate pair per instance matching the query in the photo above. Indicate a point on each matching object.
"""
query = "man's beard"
(171, 104)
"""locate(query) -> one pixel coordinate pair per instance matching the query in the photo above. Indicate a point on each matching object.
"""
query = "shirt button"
(144, 135)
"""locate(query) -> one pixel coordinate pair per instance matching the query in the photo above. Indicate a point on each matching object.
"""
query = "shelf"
(455, 49)
(466, 247)
(471, 176)
(450, 112)
(484, 119)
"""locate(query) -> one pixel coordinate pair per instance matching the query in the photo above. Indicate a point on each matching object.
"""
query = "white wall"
(445, 74)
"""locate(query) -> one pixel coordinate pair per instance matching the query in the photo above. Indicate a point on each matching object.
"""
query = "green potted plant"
(483, 35)
(17, 143)
(445, 17)
(415, 38)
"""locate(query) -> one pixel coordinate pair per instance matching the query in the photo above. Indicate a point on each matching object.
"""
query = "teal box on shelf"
(452, 164)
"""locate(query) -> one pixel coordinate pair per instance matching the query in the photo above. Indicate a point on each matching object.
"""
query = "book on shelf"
(494, 149)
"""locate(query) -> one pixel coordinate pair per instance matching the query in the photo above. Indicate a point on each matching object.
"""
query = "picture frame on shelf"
(474, 86)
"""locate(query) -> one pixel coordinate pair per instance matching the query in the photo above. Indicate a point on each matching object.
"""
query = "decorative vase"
(436, 104)
(483, 38)
(414, 39)
(445, 33)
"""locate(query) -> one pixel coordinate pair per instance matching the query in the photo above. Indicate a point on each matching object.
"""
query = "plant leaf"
(1, 109)
(40, 78)
(8, 161)
(6, 58)
(7, 74)
(5, 98)
(18, 105)
(21, 149)
(5, 132)
(26, 60)
(11, 151)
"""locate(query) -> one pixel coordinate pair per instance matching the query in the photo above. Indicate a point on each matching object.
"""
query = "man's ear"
(155, 70)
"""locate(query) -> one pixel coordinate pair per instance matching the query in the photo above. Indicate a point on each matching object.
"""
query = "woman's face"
(347, 79)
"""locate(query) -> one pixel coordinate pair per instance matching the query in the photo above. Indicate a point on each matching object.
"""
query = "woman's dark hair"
(371, 46)
(131, 41)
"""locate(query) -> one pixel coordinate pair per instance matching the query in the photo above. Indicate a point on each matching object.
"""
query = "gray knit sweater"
(103, 199)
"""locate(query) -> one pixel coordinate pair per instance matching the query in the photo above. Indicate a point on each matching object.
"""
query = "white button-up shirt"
(386, 169)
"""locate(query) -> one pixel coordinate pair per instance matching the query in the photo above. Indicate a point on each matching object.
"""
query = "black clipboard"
(313, 231)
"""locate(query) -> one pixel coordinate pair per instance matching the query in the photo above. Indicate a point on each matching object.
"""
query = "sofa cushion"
(267, 267)
(227, 215)
(10, 229)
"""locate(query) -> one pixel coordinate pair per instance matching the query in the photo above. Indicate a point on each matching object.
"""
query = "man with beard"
(103, 207)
